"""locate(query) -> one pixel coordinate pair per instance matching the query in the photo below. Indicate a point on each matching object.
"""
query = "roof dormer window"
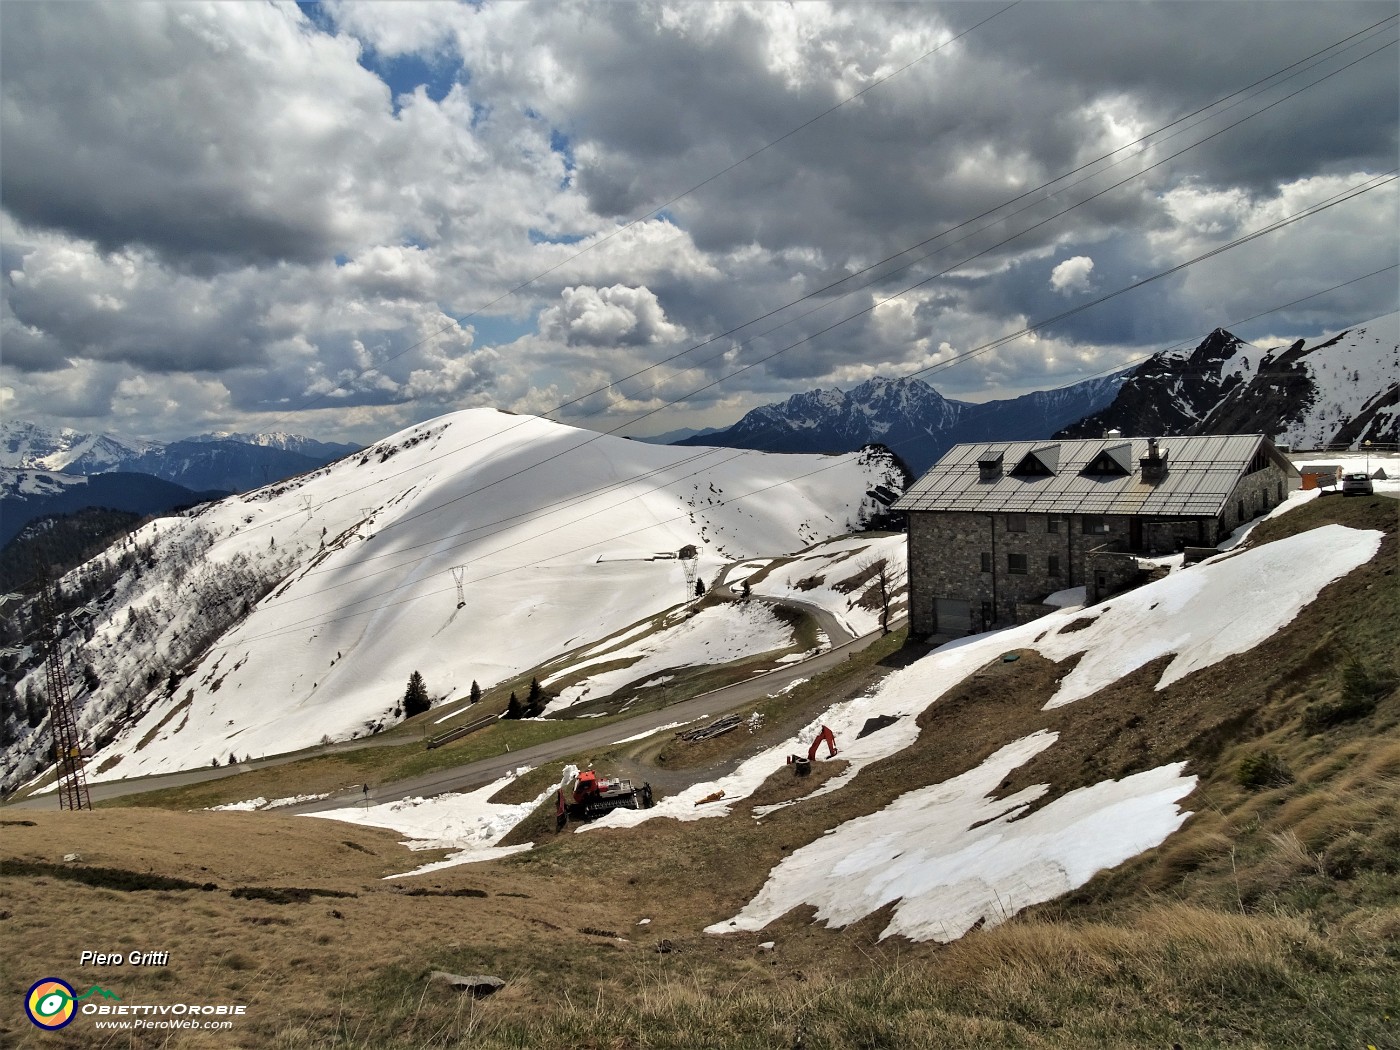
(1038, 463)
(1114, 461)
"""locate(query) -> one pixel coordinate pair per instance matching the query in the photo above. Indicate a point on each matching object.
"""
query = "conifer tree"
(416, 696)
(514, 709)
(476, 692)
(537, 698)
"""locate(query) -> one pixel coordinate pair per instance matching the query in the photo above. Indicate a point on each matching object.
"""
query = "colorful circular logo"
(49, 1003)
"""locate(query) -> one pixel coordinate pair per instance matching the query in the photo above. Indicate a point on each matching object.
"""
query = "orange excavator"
(830, 738)
(803, 766)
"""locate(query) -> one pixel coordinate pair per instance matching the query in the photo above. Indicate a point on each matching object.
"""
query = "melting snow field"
(463, 821)
(950, 855)
(717, 635)
(1208, 612)
(831, 563)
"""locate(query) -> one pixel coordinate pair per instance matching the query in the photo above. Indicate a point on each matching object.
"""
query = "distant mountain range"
(30, 495)
(224, 462)
(909, 416)
(1341, 389)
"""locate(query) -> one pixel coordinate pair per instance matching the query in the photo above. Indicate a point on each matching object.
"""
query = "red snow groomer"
(803, 766)
(592, 796)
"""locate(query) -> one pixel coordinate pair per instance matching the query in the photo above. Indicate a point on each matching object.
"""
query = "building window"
(988, 615)
(1016, 564)
(986, 561)
(1052, 523)
(1015, 523)
(1053, 565)
(1094, 526)
(1242, 517)
(1280, 492)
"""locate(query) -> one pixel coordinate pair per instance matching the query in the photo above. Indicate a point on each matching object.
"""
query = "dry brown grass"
(1270, 920)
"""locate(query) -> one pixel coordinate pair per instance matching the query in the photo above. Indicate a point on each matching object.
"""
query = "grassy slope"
(1272, 919)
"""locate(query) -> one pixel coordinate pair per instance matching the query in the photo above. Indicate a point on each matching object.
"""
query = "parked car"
(1357, 485)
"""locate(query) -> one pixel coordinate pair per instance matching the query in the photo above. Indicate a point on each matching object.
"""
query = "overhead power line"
(876, 305)
(457, 322)
(1343, 197)
(1354, 38)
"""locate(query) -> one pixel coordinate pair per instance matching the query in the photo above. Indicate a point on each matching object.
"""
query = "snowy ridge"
(358, 557)
(1310, 393)
(908, 415)
(24, 444)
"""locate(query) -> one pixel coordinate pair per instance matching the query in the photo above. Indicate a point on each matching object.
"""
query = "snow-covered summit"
(1309, 393)
(356, 564)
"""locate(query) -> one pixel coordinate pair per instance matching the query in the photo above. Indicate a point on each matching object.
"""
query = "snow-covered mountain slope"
(305, 446)
(356, 564)
(907, 415)
(1312, 393)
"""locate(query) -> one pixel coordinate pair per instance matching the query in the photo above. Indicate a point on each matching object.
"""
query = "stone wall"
(1108, 573)
(1259, 492)
(946, 551)
(946, 558)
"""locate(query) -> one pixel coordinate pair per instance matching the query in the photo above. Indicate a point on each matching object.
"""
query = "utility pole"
(67, 746)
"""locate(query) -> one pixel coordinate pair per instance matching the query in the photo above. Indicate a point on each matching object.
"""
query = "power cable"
(1305, 213)
(457, 322)
(1351, 41)
(876, 305)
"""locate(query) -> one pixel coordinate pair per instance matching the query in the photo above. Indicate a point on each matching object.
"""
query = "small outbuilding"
(1320, 475)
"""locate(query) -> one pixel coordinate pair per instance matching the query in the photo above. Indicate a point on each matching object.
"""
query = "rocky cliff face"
(1340, 389)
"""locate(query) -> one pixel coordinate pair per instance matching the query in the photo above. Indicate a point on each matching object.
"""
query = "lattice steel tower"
(68, 751)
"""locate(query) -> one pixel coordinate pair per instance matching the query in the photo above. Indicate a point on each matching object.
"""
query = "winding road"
(483, 771)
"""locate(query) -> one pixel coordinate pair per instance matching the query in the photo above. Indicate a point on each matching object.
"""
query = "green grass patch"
(343, 770)
(780, 708)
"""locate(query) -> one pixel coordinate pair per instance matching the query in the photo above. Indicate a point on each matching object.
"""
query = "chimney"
(1154, 464)
(1113, 433)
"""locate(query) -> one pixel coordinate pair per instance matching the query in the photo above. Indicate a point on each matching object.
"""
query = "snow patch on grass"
(951, 855)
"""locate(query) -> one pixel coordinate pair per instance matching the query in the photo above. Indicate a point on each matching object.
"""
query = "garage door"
(952, 616)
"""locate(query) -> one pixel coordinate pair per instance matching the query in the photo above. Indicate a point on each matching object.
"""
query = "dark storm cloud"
(207, 141)
(227, 202)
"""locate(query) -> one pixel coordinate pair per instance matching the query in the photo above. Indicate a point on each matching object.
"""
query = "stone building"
(996, 527)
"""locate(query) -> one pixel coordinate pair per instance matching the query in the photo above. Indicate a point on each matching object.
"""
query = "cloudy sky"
(342, 218)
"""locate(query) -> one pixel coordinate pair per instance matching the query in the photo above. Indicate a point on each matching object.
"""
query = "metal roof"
(1201, 473)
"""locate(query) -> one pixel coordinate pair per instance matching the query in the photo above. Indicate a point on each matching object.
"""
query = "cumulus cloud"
(608, 317)
(235, 209)
(1072, 275)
